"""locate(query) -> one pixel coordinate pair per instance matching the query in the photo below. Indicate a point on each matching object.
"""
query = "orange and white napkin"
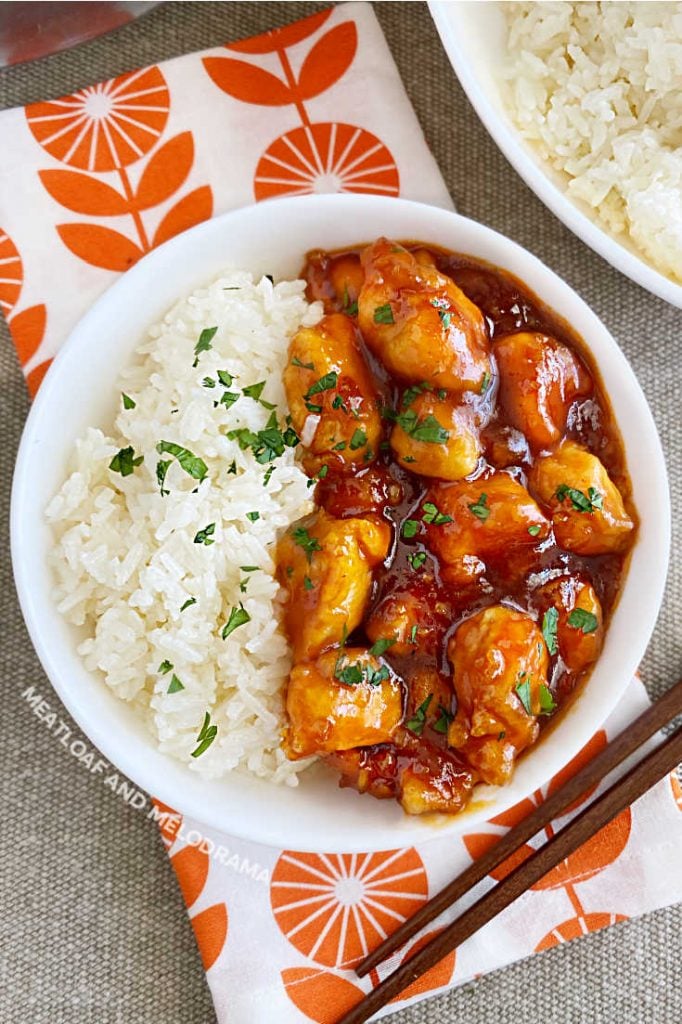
(88, 184)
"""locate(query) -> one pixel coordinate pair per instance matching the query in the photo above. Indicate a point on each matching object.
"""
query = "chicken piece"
(418, 322)
(331, 394)
(372, 770)
(371, 490)
(500, 664)
(504, 446)
(586, 506)
(416, 617)
(539, 379)
(490, 518)
(435, 436)
(436, 781)
(571, 612)
(345, 699)
(325, 565)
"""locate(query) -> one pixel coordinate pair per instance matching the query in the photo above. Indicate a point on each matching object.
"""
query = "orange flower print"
(105, 126)
(11, 275)
(677, 789)
(326, 157)
(335, 908)
(575, 927)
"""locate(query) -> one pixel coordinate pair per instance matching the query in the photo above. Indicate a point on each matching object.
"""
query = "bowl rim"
(158, 783)
(520, 156)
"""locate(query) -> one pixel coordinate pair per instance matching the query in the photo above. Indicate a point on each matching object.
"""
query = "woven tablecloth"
(92, 926)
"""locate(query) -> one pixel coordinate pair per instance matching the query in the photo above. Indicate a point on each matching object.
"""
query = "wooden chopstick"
(626, 743)
(594, 817)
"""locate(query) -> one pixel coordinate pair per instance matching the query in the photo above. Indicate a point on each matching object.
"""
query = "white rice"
(597, 88)
(125, 559)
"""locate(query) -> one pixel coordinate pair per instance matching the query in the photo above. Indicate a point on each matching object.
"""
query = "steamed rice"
(597, 88)
(125, 556)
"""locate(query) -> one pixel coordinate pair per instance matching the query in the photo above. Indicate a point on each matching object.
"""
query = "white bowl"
(474, 37)
(79, 391)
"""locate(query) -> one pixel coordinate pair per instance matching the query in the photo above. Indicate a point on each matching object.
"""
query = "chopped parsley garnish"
(308, 583)
(253, 516)
(249, 568)
(418, 721)
(339, 447)
(445, 318)
(523, 691)
(381, 645)
(268, 444)
(204, 342)
(302, 538)
(255, 391)
(410, 394)
(238, 617)
(325, 383)
(164, 667)
(354, 674)
(443, 721)
(413, 634)
(232, 468)
(410, 528)
(206, 736)
(384, 314)
(358, 439)
(128, 402)
(550, 620)
(534, 530)
(581, 502)
(124, 461)
(191, 463)
(268, 473)
(547, 702)
(485, 383)
(205, 536)
(408, 458)
(428, 429)
(228, 398)
(432, 515)
(208, 382)
(304, 366)
(225, 378)
(586, 622)
(188, 603)
(322, 472)
(175, 685)
(417, 559)
(349, 308)
(480, 508)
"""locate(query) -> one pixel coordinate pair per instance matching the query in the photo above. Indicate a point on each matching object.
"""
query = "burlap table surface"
(92, 925)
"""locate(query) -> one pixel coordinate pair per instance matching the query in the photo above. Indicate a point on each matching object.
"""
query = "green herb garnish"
(164, 667)
(384, 314)
(308, 583)
(358, 439)
(349, 308)
(191, 463)
(547, 702)
(417, 559)
(128, 403)
(267, 444)
(485, 383)
(582, 620)
(581, 502)
(175, 685)
(381, 645)
(238, 617)
(443, 721)
(204, 342)
(255, 391)
(325, 383)
(432, 515)
(304, 366)
(428, 429)
(550, 620)
(523, 691)
(418, 721)
(413, 634)
(534, 530)
(479, 508)
(205, 536)
(253, 516)
(302, 538)
(125, 461)
(410, 528)
(206, 736)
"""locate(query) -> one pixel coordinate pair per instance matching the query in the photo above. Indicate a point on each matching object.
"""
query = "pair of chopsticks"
(633, 784)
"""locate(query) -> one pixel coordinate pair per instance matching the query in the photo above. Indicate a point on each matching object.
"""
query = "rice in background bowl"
(129, 569)
(596, 88)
